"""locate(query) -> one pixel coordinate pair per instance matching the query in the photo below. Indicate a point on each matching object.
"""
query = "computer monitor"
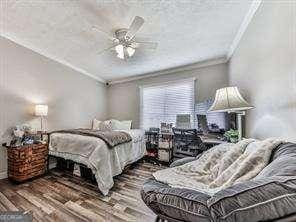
(183, 121)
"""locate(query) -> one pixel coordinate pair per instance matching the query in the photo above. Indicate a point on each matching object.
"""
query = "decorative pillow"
(106, 125)
(102, 125)
(121, 125)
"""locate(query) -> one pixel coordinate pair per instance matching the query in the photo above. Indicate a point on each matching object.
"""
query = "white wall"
(124, 98)
(264, 69)
(27, 78)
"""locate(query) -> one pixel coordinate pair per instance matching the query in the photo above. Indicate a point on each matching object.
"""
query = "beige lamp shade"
(41, 110)
(229, 100)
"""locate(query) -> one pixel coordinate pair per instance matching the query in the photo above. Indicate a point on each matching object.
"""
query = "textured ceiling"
(187, 31)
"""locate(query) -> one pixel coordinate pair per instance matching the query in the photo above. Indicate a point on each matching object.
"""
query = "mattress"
(104, 162)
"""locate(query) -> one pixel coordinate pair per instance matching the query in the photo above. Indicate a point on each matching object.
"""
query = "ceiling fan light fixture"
(121, 56)
(124, 41)
(119, 49)
(130, 51)
(124, 51)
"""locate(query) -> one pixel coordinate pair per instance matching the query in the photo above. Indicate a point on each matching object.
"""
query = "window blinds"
(162, 103)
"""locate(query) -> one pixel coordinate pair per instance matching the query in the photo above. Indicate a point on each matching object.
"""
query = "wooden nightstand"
(27, 161)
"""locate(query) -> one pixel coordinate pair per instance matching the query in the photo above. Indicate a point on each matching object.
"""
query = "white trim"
(3, 175)
(61, 61)
(247, 20)
(201, 64)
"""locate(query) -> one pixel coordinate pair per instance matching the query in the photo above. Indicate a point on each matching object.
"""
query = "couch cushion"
(284, 150)
(258, 200)
(283, 162)
(176, 203)
(270, 195)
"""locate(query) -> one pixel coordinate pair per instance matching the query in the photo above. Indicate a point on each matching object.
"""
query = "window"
(161, 103)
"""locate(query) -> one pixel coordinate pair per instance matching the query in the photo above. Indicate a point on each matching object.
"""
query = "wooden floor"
(58, 196)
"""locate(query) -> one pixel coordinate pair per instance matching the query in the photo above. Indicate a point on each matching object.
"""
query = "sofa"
(270, 196)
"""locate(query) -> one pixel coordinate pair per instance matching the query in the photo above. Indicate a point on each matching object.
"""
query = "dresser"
(27, 161)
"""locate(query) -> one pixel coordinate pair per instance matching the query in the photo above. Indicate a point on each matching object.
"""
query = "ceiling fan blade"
(103, 32)
(106, 49)
(147, 45)
(135, 26)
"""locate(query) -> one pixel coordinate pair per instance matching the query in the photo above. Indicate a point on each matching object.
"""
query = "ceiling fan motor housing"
(120, 35)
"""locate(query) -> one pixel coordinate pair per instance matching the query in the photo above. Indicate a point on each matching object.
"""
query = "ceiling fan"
(124, 41)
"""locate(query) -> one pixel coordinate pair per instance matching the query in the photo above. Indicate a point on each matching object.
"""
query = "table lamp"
(230, 100)
(41, 110)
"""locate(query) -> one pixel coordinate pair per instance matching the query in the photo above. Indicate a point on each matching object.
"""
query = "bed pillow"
(96, 124)
(121, 125)
(102, 125)
(106, 125)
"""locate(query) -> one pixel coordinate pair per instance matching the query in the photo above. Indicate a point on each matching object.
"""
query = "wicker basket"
(27, 161)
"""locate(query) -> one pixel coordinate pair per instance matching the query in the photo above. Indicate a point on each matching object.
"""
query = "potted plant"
(232, 135)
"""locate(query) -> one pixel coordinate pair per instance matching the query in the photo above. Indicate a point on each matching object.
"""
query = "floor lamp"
(230, 100)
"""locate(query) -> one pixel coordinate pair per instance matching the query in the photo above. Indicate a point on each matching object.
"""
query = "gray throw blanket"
(111, 138)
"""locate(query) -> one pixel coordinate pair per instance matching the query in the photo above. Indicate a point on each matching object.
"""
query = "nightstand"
(26, 162)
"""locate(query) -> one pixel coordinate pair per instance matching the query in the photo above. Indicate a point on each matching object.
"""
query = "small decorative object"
(41, 110)
(232, 135)
(22, 135)
(17, 137)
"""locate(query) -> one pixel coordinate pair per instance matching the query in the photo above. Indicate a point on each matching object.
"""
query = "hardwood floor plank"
(2, 208)
(36, 201)
(60, 196)
(25, 205)
(114, 212)
(7, 203)
(84, 212)
(72, 214)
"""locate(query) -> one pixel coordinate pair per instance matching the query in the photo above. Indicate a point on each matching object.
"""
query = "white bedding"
(103, 161)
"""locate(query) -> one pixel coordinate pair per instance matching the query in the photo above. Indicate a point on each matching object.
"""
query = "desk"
(161, 146)
(211, 140)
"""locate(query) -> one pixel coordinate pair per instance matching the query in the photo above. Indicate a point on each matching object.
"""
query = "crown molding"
(189, 67)
(61, 61)
(243, 27)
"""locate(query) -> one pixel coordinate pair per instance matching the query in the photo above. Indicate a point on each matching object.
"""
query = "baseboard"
(3, 175)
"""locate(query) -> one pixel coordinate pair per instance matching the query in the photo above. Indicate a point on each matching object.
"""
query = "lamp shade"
(229, 99)
(41, 110)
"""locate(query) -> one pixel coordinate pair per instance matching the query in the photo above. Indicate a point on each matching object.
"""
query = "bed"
(104, 162)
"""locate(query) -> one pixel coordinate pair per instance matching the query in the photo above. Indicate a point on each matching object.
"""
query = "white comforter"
(103, 161)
